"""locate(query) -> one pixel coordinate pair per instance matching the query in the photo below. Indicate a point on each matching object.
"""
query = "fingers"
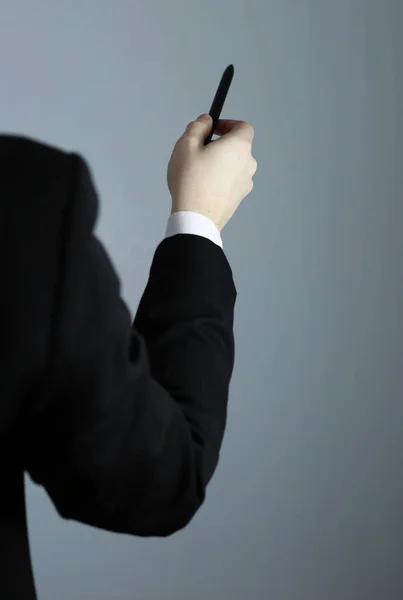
(198, 130)
(226, 126)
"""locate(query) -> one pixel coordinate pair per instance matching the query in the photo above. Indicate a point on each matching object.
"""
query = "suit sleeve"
(130, 417)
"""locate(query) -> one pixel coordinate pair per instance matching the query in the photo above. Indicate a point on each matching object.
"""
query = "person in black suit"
(120, 422)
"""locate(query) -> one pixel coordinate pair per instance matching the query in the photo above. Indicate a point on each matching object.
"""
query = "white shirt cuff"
(185, 221)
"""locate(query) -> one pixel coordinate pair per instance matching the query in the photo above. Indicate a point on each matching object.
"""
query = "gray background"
(308, 498)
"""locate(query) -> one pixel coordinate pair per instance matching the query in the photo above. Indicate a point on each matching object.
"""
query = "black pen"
(219, 99)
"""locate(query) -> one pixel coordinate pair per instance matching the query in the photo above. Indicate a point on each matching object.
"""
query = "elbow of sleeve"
(171, 517)
(166, 519)
(173, 507)
(179, 519)
(163, 521)
(156, 516)
(161, 509)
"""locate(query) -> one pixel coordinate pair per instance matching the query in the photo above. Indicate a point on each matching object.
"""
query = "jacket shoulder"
(29, 149)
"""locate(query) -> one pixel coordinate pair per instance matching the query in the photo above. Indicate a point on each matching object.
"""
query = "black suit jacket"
(120, 422)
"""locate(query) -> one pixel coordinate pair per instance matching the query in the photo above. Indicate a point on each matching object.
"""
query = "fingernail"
(204, 116)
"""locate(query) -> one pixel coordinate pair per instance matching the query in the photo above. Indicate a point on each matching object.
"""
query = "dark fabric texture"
(121, 422)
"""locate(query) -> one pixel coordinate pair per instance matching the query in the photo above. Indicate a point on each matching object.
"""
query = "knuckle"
(187, 131)
(194, 126)
(246, 146)
(191, 131)
(187, 138)
(248, 127)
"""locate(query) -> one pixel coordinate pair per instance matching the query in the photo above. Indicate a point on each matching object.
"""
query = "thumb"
(199, 130)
